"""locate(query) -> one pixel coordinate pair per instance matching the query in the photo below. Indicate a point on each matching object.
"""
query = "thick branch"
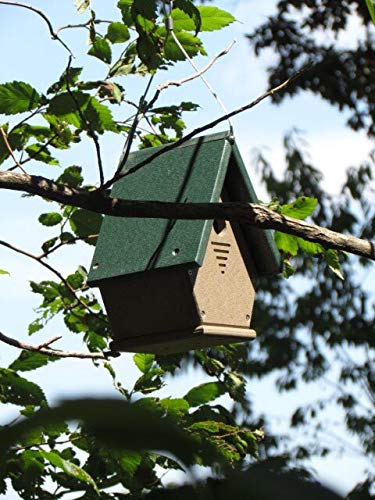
(48, 351)
(249, 213)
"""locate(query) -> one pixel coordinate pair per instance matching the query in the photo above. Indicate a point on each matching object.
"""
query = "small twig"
(53, 33)
(68, 242)
(199, 130)
(47, 443)
(82, 25)
(9, 148)
(50, 268)
(87, 124)
(47, 343)
(53, 352)
(178, 83)
(142, 109)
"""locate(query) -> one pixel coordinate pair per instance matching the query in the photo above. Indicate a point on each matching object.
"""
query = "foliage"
(342, 76)
(118, 448)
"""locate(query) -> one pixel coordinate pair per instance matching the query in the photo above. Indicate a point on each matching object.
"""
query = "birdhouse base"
(199, 338)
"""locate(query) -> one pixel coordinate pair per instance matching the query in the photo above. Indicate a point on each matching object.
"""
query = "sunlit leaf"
(204, 393)
(18, 97)
(69, 468)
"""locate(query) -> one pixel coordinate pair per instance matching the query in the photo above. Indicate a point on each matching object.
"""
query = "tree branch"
(10, 150)
(54, 34)
(119, 174)
(52, 352)
(248, 213)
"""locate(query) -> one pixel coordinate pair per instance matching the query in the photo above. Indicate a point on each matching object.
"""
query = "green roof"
(193, 172)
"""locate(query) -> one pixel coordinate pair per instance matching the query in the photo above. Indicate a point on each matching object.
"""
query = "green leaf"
(39, 152)
(85, 223)
(82, 5)
(204, 393)
(144, 361)
(130, 461)
(4, 272)
(34, 327)
(69, 468)
(287, 243)
(301, 208)
(115, 423)
(371, 8)
(69, 77)
(19, 391)
(191, 44)
(72, 176)
(18, 97)
(101, 49)
(175, 407)
(310, 247)
(95, 113)
(28, 361)
(117, 33)
(191, 10)
(333, 262)
(50, 219)
(212, 19)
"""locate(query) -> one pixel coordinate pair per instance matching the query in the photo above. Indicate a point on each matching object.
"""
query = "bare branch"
(90, 131)
(248, 213)
(54, 34)
(47, 343)
(82, 25)
(178, 83)
(9, 148)
(199, 130)
(51, 352)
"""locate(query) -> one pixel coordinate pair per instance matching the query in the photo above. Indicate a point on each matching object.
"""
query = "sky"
(28, 54)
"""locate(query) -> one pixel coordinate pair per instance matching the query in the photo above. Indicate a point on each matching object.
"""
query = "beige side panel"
(223, 289)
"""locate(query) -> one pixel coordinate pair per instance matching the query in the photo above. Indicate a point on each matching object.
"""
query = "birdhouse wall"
(223, 289)
(150, 303)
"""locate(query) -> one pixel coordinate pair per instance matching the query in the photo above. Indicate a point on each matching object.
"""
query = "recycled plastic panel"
(193, 172)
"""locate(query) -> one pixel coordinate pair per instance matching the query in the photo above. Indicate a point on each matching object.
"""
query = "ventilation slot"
(222, 254)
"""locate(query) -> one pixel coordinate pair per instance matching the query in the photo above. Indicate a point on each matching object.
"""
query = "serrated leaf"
(212, 19)
(69, 468)
(286, 242)
(47, 245)
(28, 361)
(115, 423)
(310, 247)
(130, 461)
(72, 176)
(301, 208)
(97, 114)
(50, 219)
(35, 326)
(101, 49)
(143, 361)
(204, 393)
(175, 406)
(191, 44)
(19, 391)
(82, 5)
(191, 10)
(85, 223)
(18, 97)
(333, 262)
(40, 152)
(117, 33)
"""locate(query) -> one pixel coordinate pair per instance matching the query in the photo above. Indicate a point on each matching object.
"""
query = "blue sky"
(29, 54)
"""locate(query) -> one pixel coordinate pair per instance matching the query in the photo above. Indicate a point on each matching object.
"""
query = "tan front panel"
(223, 289)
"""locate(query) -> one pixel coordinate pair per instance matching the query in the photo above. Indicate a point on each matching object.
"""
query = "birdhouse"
(173, 285)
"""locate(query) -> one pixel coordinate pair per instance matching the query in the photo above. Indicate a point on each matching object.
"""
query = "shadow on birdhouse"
(171, 286)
